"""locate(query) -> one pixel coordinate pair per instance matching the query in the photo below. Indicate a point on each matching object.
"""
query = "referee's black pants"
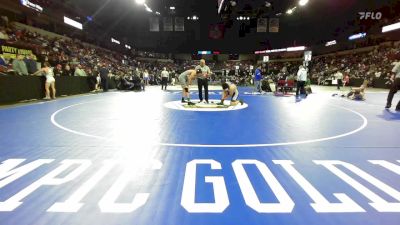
(393, 90)
(339, 83)
(300, 88)
(164, 83)
(203, 83)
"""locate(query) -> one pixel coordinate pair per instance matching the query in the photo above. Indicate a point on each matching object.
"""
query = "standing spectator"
(202, 80)
(104, 77)
(301, 80)
(19, 65)
(395, 87)
(31, 64)
(164, 78)
(257, 79)
(145, 77)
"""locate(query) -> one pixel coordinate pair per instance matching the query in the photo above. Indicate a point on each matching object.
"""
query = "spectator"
(58, 71)
(145, 77)
(67, 71)
(104, 77)
(79, 71)
(3, 34)
(19, 65)
(31, 64)
(3, 61)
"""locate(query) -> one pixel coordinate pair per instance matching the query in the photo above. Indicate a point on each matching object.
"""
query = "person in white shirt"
(164, 79)
(339, 77)
(301, 80)
(395, 86)
(145, 77)
(202, 81)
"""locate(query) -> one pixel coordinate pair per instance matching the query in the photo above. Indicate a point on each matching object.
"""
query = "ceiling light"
(248, 18)
(158, 13)
(303, 2)
(233, 3)
(267, 4)
(293, 49)
(240, 18)
(290, 11)
(172, 8)
(149, 10)
(140, 2)
(188, 17)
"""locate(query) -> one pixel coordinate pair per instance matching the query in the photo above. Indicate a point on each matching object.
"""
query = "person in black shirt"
(67, 71)
(104, 77)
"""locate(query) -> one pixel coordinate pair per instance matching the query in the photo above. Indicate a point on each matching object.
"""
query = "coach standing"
(104, 77)
(202, 80)
(395, 87)
(257, 79)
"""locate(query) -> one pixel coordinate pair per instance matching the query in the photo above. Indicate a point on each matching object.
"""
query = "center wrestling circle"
(203, 107)
(364, 123)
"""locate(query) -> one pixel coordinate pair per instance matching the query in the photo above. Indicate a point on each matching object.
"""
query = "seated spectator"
(3, 34)
(67, 71)
(31, 64)
(19, 65)
(79, 71)
(58, 71)
(138, 83)
(3, 61)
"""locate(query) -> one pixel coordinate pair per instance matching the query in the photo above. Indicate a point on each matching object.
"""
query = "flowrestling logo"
(370, 15)
(71, 171)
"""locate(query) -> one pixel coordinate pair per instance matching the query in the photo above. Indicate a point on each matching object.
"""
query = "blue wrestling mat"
(126, 158)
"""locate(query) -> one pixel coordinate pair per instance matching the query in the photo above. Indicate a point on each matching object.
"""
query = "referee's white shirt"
(302, 75)
(396, 69)
(339, 76)
(164, 73)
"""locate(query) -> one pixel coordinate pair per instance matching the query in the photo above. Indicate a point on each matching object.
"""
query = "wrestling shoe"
(241, 102)
(191, 103)
(388, 106)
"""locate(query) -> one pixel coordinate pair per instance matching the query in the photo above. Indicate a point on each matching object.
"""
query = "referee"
(395, 87)
(164, 79)
(202, 79)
